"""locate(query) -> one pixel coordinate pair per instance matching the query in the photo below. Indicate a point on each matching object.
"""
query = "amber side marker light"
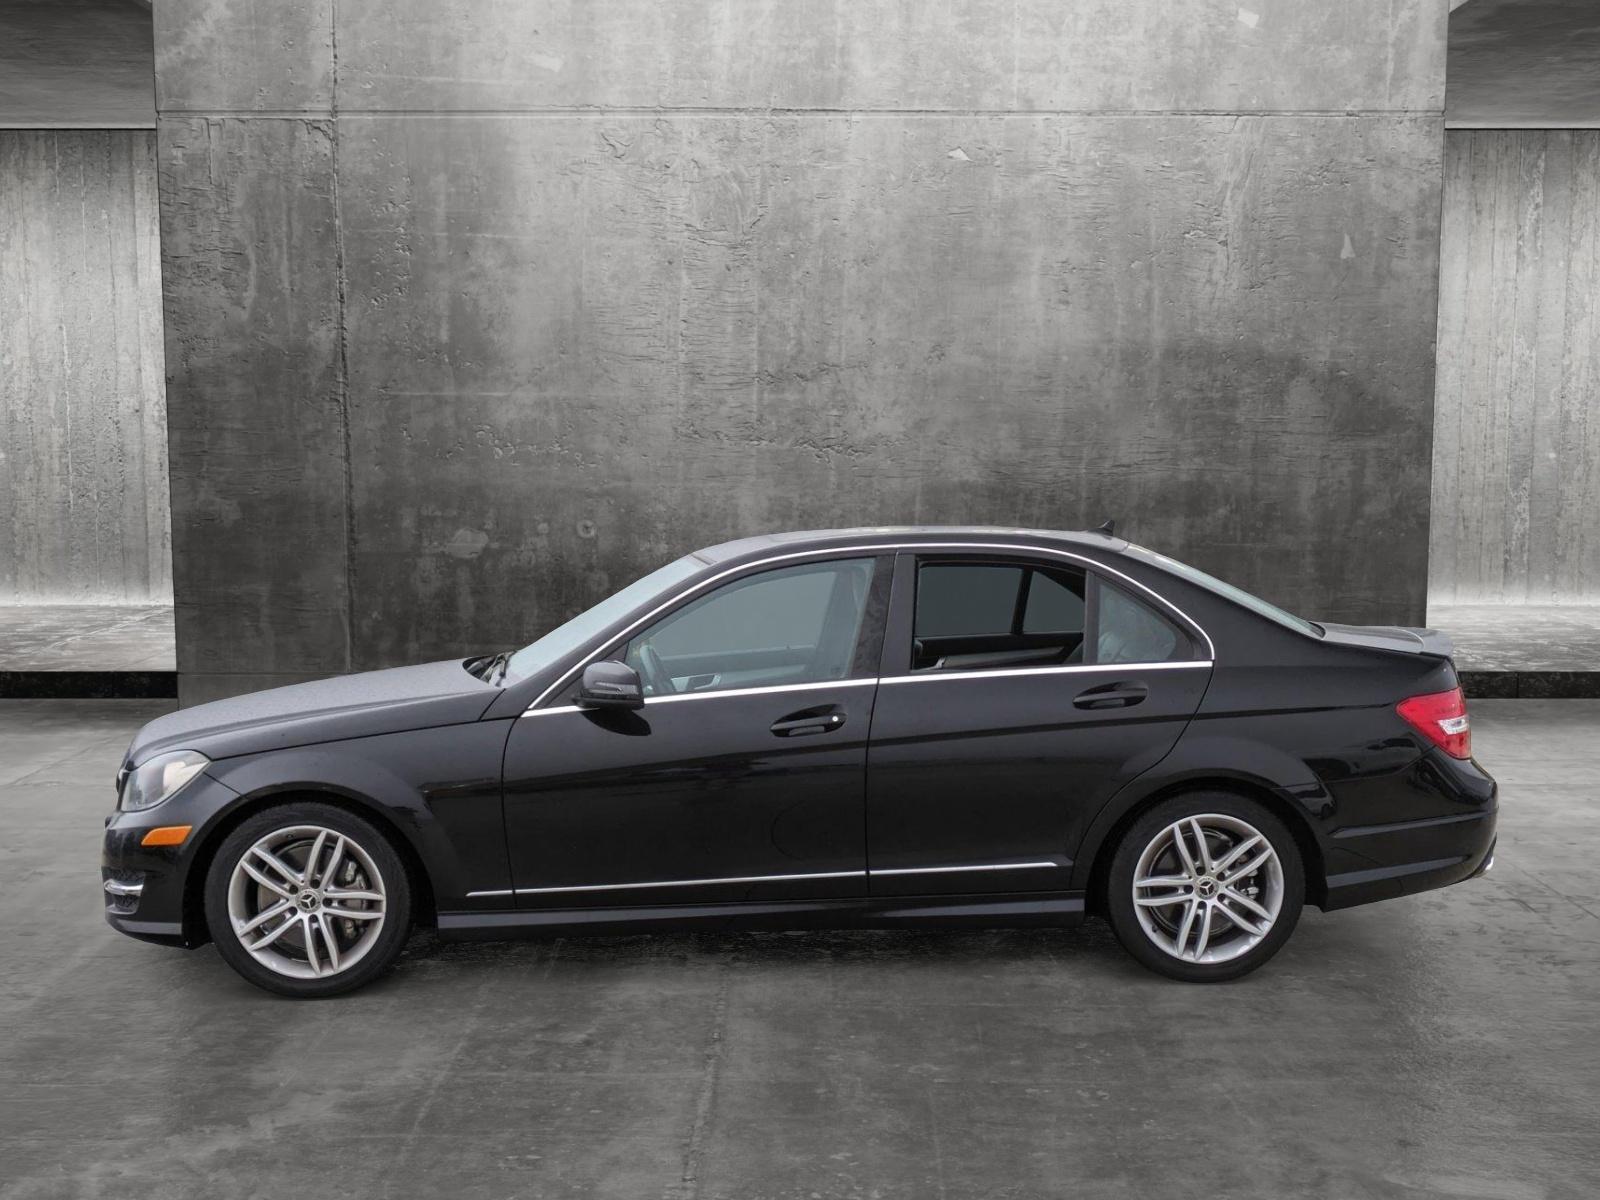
(166, 835)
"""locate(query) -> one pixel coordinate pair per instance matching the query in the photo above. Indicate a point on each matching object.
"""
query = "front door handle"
(823, 719)
(1112, 695)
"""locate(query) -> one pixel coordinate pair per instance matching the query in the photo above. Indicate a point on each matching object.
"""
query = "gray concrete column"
(479, 308)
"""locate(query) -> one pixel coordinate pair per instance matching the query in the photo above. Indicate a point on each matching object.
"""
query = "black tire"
(373, 853)
(1138, 941)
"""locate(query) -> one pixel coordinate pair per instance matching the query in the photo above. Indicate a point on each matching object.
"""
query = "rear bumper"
(1488, 861)
(1465, 854)
(1400, 858)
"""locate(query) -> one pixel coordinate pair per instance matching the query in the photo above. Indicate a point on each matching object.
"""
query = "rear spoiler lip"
(1435, 642)
(1402, 639)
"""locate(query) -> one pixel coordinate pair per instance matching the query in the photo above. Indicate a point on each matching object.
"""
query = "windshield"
(1238, 595)
(564, 639)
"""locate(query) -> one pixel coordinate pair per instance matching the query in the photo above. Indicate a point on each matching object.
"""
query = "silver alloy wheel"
(1208, 888)
(306, 902)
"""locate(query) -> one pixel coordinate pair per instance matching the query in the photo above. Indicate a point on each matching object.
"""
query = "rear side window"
(971, 616)
(1053, 606)
(998, 615)
(966, 601)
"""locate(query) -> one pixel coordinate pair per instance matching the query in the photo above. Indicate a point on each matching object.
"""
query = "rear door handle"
(1112, 695)
(822, 719)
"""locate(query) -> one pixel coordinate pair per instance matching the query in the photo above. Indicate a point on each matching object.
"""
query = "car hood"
(373, 702)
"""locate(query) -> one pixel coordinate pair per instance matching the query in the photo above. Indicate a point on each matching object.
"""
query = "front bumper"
(146, 889)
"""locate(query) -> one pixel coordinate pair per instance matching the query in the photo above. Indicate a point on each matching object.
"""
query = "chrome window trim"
(555, 708)
(1076, 669)
(920, 677)
(855, 551)
(820, 685)
(711, 693)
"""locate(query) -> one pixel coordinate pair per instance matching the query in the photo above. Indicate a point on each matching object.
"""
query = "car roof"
(821, 539)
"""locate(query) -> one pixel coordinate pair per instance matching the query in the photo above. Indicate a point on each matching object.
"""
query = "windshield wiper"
(490, 668)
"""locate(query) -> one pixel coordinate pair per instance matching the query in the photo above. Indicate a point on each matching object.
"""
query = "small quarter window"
(1131, 632)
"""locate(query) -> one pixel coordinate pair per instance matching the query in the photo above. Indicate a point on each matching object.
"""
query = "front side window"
(794, 625)
(971, 616)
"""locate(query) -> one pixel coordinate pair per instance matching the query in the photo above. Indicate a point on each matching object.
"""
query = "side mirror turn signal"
(610, 685)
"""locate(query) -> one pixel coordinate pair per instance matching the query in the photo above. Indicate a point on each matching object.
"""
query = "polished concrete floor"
(1524, 637)
(87, 637)
(1442, 1046)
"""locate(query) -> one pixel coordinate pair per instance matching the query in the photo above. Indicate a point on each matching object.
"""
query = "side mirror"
(609, 685)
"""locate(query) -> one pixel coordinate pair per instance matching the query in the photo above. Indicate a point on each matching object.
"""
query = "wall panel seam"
(340, 278)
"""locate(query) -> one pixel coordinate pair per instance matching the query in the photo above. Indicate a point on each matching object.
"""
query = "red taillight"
(1441, 717)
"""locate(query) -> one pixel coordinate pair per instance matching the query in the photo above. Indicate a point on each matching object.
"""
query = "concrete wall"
(83, 474)
(1516, 494)
(479, 308)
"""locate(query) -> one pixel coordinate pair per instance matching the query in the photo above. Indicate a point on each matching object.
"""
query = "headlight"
(160, 778)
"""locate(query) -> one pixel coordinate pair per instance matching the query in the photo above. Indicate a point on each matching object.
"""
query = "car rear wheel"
(308, 900)
(1205, 887)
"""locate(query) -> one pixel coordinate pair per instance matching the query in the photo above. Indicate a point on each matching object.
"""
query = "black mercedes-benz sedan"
(854, 728)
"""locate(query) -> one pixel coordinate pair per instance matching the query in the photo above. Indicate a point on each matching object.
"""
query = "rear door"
(1017, 695)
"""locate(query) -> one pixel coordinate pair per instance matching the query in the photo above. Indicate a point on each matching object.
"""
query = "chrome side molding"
(1026, 866)
(668, 883)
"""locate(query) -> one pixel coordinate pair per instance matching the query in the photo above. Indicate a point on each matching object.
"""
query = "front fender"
(438, 788)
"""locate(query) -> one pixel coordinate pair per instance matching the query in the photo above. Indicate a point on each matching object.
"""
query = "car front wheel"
(1205, 887)
(308, 900)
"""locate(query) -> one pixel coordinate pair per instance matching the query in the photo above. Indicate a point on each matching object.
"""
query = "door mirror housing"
(609, 685)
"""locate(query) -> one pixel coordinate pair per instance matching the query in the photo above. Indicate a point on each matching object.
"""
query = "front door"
(741, 778)
(1017, 696)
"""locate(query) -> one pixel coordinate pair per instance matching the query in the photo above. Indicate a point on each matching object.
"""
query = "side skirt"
(872, 912)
